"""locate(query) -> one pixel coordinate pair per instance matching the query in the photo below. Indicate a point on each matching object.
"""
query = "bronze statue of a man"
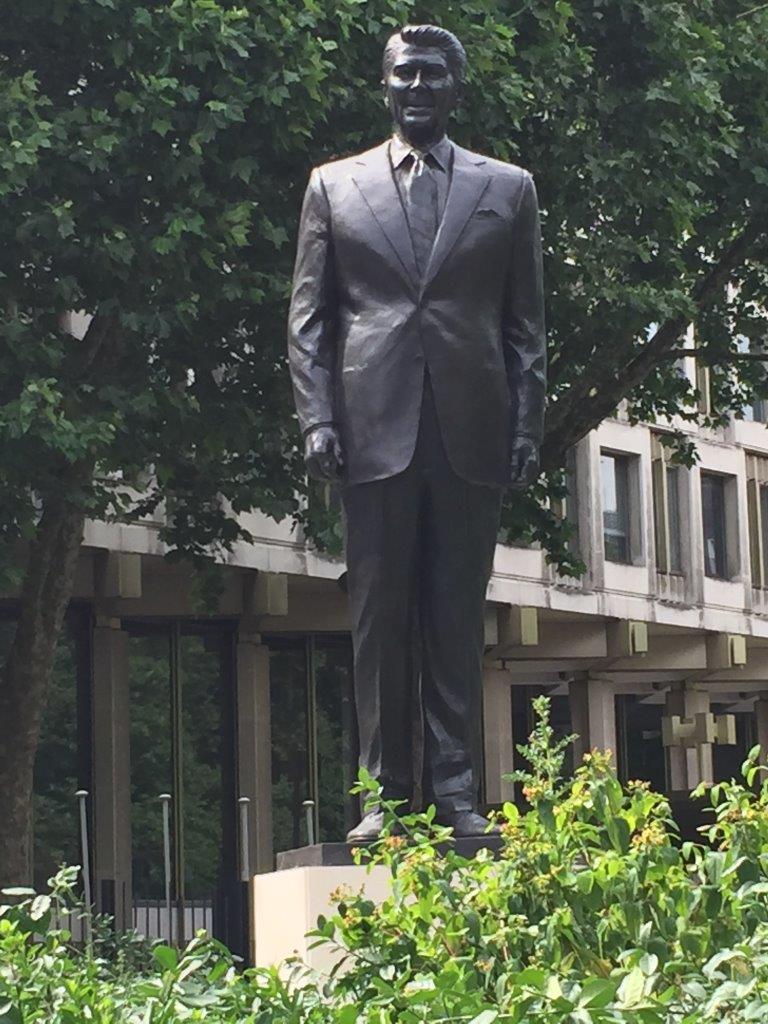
(417, 354)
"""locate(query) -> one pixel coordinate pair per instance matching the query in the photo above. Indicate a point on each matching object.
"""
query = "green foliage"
(44, 978)
(595, 913)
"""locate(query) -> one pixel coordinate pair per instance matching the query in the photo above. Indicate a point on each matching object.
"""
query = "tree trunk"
(46, 591)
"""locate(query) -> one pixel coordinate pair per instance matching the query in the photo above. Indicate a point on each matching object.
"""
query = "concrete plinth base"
(340, 854)
(287, 903)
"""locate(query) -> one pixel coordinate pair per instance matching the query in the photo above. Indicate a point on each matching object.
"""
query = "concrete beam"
(634, 681)
(323, 610)
(666, 654)
(570, 641)
(517, 627)
(726, 651)
(265, 593)
(756, 668)
(626, 638)
(118, 574)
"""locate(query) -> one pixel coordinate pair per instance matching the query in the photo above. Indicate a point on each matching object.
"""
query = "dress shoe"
(370, 828)
(468, 824)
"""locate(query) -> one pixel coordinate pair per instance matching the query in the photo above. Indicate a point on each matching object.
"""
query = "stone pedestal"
(287, 903)
(340, 854)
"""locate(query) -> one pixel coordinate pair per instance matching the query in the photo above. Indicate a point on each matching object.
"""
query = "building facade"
(207, 742)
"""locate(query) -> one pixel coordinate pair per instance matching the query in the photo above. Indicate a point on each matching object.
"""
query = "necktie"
(421, 202)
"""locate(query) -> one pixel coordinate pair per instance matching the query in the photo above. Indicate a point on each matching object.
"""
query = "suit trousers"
(420, 548)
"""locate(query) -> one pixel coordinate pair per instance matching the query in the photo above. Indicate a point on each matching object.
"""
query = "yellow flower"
(639, 785)
(340, 894)
(394, 842)
(652, 835)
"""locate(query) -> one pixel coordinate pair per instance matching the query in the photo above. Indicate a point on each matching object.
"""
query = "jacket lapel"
(468, 182)
(373, 177)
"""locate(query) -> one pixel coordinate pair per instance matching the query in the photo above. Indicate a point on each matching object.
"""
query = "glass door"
(183, 798)
(314, 738)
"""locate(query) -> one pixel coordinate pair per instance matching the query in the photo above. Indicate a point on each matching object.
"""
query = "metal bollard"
(82, 797)
(245, 844)
(165, 800)
(309, 807)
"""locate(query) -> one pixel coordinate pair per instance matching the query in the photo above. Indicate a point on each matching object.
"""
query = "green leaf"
(347, 1015)
(41, 905)
(597, 993)
(485, 1017)
(167, 957)
(632, 988)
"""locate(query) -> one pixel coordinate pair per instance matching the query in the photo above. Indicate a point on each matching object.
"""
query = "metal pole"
(245, 844)
(165, 800)
(82, 797)
(309, 809)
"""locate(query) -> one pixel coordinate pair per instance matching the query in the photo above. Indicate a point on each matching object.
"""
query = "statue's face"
(421, 92)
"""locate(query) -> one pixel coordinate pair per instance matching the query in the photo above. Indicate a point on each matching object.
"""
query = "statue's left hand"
(322, 453)
(524, 462)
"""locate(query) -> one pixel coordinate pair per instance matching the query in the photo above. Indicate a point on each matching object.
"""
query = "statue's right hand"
(322, 453)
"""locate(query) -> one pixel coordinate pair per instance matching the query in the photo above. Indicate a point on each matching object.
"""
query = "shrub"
(595, 912)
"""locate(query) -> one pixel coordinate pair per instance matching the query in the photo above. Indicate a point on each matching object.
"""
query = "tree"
(137, 185)
(152, 161)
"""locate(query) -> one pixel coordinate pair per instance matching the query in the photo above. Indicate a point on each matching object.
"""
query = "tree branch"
(681, 353)
(593, 397)
(751, 11)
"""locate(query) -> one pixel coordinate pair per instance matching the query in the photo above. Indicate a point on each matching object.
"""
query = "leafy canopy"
(152, 159)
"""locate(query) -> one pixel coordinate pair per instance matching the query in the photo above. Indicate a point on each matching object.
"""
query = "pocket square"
(490, 211)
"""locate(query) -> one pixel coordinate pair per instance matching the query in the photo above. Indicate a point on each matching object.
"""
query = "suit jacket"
(363, 322)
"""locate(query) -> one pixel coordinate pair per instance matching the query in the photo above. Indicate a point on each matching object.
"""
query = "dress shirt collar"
(440, 152)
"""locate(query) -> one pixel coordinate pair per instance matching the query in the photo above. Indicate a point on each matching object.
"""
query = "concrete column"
(497, 734)
(761, 716)
(688, 766)
(593, 716)
(112, 772)
(254, 745)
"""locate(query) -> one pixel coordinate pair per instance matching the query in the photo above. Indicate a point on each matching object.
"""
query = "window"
(757, 412)
(727, 758)
(314, 738)
(703, 388)
(614, 474)
(182, 741)
(640, 753)
(667, 481)
(757, 509)
(62, 759)
(673, 476)
(566, 507)
(713, 513)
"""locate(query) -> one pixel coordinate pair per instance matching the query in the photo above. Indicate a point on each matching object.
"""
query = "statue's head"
(423, 70)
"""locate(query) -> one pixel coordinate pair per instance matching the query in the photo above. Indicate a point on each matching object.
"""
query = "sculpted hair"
(428, 35)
